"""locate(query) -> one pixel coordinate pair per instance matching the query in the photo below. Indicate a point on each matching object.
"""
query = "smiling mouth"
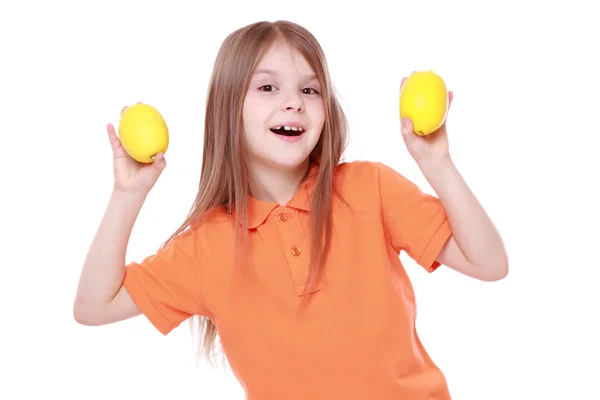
(287, 130)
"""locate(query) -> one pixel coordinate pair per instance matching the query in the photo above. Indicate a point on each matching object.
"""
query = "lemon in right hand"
(424, 99)
(143, 132)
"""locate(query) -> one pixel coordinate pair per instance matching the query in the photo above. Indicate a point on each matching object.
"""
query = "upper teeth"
(287, 128)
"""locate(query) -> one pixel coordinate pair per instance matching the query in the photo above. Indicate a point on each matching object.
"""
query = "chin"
(282, 152)
(289, 163)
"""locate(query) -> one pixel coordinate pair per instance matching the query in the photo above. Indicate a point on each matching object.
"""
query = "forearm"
(103, 269)
(473, 230)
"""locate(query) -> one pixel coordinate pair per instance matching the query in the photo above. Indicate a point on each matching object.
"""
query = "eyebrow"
(274, 73)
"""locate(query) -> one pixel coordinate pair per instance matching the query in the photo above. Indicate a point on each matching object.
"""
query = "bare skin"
(101, 299)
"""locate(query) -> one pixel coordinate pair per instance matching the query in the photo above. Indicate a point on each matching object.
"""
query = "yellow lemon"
(143, 132)
(424, 99)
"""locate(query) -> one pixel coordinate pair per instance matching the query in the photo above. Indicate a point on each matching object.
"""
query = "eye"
(267, 88)
(314, 91)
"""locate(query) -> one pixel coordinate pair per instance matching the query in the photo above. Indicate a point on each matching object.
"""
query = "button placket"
(292, 237)
(295, 251)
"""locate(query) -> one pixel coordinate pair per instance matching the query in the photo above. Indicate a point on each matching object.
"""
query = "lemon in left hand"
(143, 132)
(424, 99)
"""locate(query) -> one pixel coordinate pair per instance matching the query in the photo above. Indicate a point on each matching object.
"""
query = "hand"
(131, 176)
(432, 147)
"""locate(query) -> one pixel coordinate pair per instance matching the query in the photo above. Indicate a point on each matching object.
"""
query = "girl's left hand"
(432, 147)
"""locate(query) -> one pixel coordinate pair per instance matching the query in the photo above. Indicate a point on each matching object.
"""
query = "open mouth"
(287, 130)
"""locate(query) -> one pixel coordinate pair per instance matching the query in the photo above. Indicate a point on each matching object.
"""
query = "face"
(283, 110)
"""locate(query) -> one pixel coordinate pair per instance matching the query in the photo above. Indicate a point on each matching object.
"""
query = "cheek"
(317, 107)
(253, 114)
(249, 118)
(318, 113)
(319, 122)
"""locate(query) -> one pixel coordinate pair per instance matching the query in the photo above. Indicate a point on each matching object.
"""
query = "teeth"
(289, 128)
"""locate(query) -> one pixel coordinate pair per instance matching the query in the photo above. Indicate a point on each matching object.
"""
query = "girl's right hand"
(131, 176)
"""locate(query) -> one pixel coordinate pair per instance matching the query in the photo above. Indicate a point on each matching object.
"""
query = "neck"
(276, 185)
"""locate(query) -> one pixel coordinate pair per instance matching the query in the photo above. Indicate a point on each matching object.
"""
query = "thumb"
(159, 163)
(407, 127)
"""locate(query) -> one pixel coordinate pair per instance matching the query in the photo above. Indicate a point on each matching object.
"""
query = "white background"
(523, 131)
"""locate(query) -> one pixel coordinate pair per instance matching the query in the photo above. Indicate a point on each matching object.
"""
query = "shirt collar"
(258, 210)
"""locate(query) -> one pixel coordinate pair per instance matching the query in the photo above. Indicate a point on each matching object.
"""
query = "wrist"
(435, 164)
(127, 199)
(440, 173)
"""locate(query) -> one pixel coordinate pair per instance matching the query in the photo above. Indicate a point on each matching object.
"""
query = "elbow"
(496, 273)
(496, 276)
(80, 317)
(81, 314)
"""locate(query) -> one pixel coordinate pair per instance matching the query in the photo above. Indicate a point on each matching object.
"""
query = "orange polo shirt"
(356, 339)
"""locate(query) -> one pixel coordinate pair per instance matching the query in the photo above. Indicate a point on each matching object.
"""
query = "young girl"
(289, 254)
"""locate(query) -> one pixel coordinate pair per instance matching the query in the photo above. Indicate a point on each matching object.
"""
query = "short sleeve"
(167, 286)
(416, 221)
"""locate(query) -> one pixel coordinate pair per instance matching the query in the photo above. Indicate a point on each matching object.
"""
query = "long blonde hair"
(224, 174)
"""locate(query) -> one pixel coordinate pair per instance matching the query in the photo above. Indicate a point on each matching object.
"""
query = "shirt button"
(295, 251)
(282, 217)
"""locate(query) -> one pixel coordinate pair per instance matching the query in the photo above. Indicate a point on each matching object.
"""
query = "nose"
(293, 102)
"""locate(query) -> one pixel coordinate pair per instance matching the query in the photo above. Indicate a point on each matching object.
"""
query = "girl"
(291, 255)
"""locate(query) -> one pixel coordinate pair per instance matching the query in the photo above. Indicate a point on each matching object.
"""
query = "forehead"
(283, 59)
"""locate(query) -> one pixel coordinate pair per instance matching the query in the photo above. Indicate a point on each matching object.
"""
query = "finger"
(404, 79)
(126, 107)
(407, 126)
(159, 162)
(450, 97)
(156, 157)
(112, 136)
